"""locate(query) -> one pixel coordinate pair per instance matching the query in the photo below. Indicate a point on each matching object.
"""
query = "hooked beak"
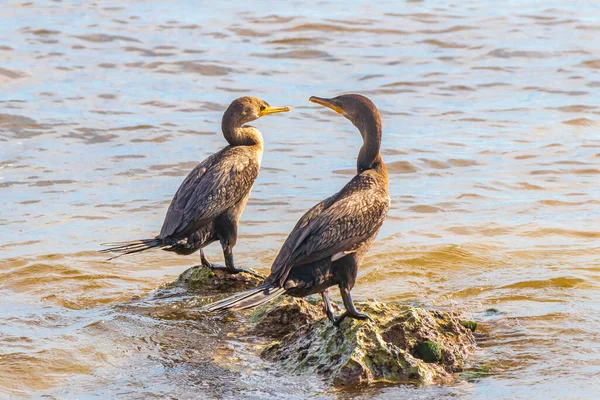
(272, 110)
(327, 103)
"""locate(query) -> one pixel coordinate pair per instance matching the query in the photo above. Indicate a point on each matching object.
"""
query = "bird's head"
(249, 108)
(357, 108)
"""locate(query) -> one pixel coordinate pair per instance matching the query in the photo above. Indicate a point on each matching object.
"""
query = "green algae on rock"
(404, 344)
(209, 282)
(428, 351)
(386, 350)
(472, 325)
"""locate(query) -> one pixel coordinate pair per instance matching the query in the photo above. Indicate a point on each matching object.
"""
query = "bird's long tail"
(247, 299)
(135, 246)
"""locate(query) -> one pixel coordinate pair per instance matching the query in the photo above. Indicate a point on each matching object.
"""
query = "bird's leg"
(347, 269)
(226, 227)
(230, 267)
(328, 308)
(204, 260)
(350, 310)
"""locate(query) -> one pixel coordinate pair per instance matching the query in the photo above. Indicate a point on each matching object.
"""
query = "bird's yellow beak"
(272, 110)
(327, 103)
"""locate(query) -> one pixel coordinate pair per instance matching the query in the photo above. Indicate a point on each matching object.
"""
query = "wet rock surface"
(403, 344)
(209, 282)
(282, 317)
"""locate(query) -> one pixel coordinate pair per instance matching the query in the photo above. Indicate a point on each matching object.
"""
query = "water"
(490, 115)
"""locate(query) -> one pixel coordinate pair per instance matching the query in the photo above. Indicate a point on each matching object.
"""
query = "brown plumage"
(328, 243)
(208, 204)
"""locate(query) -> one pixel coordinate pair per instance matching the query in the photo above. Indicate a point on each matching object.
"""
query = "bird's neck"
(369, 156)
(245, 135)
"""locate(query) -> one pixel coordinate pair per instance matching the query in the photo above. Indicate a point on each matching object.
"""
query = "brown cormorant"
(208, 204)
(328, 243)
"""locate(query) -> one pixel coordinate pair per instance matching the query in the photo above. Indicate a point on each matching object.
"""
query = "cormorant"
(329, 242)
(208, 204)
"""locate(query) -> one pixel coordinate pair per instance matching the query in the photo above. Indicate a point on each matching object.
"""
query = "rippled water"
(490, 115)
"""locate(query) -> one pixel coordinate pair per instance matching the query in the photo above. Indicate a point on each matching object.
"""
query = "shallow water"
(490, 116)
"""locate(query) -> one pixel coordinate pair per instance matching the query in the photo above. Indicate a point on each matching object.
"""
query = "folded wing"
(337, 225)
(214, 186)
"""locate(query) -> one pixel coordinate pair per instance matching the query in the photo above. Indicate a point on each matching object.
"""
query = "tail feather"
(259, 299)
(127, 243)
(135, 246)
(247, 299)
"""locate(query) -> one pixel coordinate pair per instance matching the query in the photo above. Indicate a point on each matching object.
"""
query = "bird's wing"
(338, 224)
(300, 230)
(212, 187)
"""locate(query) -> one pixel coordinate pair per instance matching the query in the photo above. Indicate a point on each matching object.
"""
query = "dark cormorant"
(208, 204)
(328, 243)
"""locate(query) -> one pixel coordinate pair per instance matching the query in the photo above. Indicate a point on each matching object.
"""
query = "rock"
(404, 344)
(428, 351)
(283, 316)
(209, 282)
(472, 325)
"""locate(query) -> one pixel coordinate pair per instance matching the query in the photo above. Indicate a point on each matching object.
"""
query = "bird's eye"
(263, 107)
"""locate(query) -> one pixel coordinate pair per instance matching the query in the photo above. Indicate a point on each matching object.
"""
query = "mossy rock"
(404, 344)
(281, 317)
(208, 282)
(471, 325)
(428, 351)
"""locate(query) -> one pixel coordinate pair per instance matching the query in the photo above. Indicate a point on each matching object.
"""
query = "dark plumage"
(328, 243)
(208, 204)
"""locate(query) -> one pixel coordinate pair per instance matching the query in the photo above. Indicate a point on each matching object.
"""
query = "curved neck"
(241, 135)
(369, 156)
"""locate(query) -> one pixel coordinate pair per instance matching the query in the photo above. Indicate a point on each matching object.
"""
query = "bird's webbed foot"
(350, 309)
(207, 264)
(342, 317)
(230, 269)
(236, 270)
(338, 320)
